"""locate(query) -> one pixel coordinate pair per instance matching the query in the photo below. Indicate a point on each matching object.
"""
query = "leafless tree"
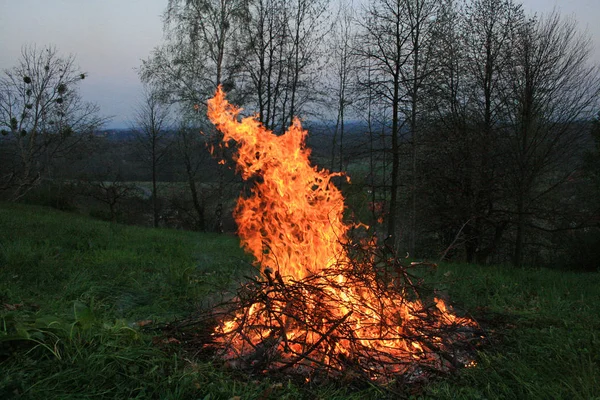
(384, 40)
(109, 188)
(204, 48)
(506, 128)
(151, 125)
(423, 22)
(42, 116)
(488, 33)
(191, 149)
(553, 88)
(344, 59)
(284, 51)
(446, 137)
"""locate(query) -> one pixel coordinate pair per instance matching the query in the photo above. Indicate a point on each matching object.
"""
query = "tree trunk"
(198, 207)
(154, 196)
(391, 229)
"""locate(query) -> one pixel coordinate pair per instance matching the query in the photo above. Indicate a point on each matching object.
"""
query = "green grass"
(73, 291)
(545, 330)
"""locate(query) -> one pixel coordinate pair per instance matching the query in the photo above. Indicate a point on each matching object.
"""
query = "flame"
(292, 223)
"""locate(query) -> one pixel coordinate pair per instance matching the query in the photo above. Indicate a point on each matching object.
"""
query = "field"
(77, 296)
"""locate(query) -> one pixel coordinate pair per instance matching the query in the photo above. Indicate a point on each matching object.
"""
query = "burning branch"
(318, 327)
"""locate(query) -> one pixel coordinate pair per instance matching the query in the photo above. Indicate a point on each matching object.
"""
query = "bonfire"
(323, 304)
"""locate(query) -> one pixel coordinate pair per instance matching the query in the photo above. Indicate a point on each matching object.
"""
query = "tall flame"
(292, 223)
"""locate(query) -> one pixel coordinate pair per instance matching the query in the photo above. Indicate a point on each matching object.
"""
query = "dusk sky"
(110, 38)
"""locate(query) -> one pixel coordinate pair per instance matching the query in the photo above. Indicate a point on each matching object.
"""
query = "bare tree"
(191, 150)
(489, 29)
(447, 139)
(507, 109)
(109, 188)
(266, 35)
(554, 87)
(308, 26)
(203, 49)
(422, 20)
(151, 124)
(343, 62)
(464, 164)
(42, 116)
(384, 39)
(284, 40)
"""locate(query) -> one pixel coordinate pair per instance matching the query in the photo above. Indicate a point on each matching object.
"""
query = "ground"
(77, 298)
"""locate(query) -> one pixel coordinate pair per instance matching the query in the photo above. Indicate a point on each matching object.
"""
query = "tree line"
(467, 127)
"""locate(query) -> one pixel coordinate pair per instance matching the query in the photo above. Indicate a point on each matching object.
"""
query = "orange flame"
(293, 225)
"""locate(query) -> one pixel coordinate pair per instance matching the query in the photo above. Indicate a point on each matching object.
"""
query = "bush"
(58, 195)
(581, 250)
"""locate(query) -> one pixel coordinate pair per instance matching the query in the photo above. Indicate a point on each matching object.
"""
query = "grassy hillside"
(74, 292)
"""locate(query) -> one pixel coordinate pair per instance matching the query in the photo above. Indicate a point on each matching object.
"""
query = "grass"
(74, 292)
(546, 329)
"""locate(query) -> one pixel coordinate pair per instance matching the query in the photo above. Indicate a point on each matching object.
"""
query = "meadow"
(78, 298)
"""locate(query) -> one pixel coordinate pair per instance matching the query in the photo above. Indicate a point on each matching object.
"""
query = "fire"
(320, 307)
(292, 223)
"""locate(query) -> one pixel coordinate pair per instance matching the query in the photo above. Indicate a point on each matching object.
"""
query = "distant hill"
(116, 135)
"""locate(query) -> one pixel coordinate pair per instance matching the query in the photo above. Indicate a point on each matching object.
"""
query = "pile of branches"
(363, 320)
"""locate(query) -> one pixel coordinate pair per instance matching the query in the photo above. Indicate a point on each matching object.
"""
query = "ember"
(324, 304)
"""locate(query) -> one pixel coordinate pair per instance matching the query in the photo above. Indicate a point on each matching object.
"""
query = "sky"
(110, 38)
